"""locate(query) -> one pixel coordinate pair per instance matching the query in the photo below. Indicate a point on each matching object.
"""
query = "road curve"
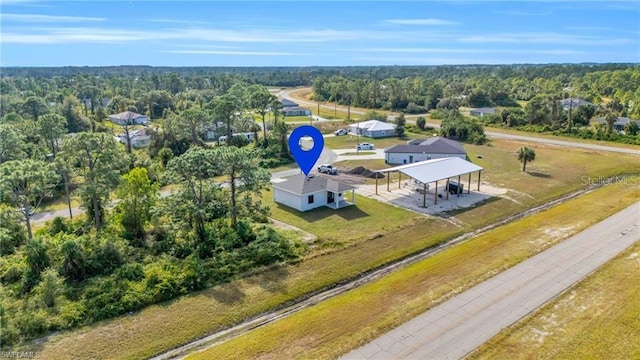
(287, 95)
(456, 327)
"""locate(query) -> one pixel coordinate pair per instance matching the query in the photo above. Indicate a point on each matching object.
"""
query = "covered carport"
(429, 171)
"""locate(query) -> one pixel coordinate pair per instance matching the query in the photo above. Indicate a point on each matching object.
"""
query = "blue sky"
(307, 33)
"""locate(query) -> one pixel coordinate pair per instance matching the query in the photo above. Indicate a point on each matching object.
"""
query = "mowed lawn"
(597, 319)
(354, 318)
(161, 327)
(365, 220)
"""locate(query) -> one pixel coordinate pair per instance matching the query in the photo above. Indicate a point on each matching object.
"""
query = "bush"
(421, 122)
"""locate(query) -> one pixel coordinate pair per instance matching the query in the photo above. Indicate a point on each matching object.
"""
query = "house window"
(340, 194)
(310, 199)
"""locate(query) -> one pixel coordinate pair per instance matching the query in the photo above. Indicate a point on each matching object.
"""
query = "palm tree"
(526, 154)
(610, 118)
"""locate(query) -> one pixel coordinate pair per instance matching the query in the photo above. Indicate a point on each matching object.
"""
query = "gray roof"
(288, 103)
(573, 103)
(126, 115)
(619, 121)
(434, 145)
(301, 185)
(484, 110)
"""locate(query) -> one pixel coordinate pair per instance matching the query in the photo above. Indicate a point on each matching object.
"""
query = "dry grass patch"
(597, 319)
(352, 319)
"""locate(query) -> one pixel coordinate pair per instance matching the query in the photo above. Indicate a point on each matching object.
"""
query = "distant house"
(286, 103)
(304, 193)
(296, 111)
(104, 102)
(211, 134)
(373, 129)
(482, 111)
(424, 149)
(138, 138)
(573, 103)
(619, 124)
(129, 118)
(247, 135)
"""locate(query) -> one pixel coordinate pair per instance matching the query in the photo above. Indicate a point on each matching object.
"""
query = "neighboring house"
(304, 193)
(286, 103)
(482, 111)
(211, 131)
(129, 118)
(619, 124)
(104, 101)
(138, 138)
(296, 111)
(373, 129)
(247, 135)
(424, 149)
(573, 103)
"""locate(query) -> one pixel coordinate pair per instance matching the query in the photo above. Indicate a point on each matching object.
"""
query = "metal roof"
(437, 169)
(434, 145)
(301, 185)
(373, 125)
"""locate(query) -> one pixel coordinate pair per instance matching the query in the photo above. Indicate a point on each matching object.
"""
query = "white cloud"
(38, 18)
(559, 52)
(60, 35)
(232, 52)
(176, 21)
(544, 38)
(421, 22)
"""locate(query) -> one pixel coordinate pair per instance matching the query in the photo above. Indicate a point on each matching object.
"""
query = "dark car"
(455, 187)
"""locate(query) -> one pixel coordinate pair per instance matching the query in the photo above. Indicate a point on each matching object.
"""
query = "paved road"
(287, 95)
(456, 327)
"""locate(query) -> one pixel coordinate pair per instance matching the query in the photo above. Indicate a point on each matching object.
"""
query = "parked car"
(340, 132)
(327, 169)
(24, 211)
(365, 146)
(455, 187)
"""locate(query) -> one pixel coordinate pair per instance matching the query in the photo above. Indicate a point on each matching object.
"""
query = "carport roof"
(437, 169)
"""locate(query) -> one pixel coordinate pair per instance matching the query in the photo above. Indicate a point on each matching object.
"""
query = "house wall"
(140, 143)
(319, 200)
(403, 158)
(379, 133)
(287, 198)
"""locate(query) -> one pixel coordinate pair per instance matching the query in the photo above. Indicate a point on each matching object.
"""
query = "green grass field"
(596, 319)
(345, 252)
(347, 321)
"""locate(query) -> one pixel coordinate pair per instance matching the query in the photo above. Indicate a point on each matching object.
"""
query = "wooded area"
(57, 143)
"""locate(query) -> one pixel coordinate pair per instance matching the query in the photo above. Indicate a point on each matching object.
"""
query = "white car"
(365, 146)
(340, 132)
(327, 169)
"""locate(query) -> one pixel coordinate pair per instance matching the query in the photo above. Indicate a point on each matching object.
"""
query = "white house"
(373, 129)
(138, 138)
(304, 193)
(573, 103)
(286, 103)
(619, 124)
(129, 118)
(424, 149)
(296, 111)
(482, 111)
(247, 135)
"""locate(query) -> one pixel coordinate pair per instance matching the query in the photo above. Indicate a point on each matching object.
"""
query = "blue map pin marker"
(306, 158)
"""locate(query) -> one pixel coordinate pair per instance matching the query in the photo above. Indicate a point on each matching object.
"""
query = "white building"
(373, 129)
(129, 118)
(138, 138)
(424, 149)
(304, 193)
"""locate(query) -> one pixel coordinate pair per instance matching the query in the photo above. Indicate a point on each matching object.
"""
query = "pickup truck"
(364, 146)
(327, 169)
